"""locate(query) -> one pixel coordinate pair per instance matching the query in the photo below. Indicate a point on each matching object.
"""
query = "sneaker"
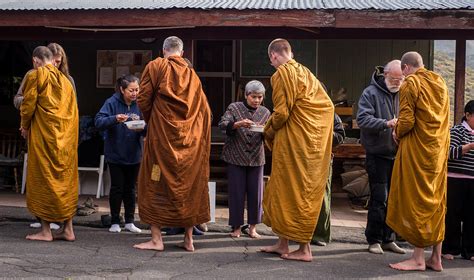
(392, 246)
(375, 249)
(35, 225)
(115, 228)
(51, 225)
(54, 226)
(319, 243)
(132, 228)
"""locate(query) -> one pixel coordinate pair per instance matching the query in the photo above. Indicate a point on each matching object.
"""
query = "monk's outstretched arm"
(30, 98)
(145, 96)
(281, 113)
(408, 96)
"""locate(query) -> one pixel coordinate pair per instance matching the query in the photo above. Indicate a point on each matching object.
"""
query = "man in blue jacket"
(376, 118)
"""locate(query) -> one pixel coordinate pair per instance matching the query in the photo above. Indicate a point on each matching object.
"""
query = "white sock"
(132, 228)
(115, 228)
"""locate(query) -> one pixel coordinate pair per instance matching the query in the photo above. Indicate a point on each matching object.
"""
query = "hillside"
(444, 65)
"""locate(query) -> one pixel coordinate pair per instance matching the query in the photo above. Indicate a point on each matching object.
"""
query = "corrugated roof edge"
(181, 8)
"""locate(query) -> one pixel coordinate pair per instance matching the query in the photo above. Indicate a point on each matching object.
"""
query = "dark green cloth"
(322, 233)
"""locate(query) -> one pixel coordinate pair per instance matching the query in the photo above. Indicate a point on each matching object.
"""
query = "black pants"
(380, 173)
(124, 178)
(459, 235)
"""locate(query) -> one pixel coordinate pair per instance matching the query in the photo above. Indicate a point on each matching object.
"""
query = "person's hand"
(395, 138)
(24, 132)
(392, 123)
(243, 123)
(121, 118)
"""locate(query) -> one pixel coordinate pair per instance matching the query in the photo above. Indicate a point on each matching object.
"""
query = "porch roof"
(385, 5)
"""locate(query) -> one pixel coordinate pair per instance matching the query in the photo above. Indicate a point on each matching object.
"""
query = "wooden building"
(341, 41)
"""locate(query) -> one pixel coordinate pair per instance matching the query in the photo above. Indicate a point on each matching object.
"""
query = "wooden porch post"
(459, 80)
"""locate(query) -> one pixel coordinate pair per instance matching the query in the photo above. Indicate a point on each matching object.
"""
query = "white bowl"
(135, 124)
(256, 128)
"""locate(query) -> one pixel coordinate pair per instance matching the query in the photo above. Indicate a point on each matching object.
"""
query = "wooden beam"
(370, 19)
(415, 19)
(459, 80)
(231, 33)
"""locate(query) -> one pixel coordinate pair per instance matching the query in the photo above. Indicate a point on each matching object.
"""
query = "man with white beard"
(377, 116)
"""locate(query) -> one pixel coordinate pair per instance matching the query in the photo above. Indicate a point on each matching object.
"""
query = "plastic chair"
(100, 172)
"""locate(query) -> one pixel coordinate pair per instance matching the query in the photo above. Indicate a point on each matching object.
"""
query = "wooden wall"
(350, 63)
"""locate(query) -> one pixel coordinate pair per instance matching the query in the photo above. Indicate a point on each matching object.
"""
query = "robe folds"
(299, 133)
(49, 111)
(172, 183)
(417, 199)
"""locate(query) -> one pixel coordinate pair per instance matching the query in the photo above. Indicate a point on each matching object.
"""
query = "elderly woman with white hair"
(244, 153)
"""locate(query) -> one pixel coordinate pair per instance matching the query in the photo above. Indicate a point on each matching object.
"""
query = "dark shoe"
(173, 230)
(202, 227)
(196, 231)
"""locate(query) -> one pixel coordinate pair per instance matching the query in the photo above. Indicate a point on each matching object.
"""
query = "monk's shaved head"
(280, 46)
(413, 59)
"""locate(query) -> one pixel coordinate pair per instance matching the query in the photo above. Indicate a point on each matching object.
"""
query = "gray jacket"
(377, 105)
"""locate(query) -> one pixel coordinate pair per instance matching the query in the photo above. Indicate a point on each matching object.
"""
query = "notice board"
(112, 64)
(254, 60)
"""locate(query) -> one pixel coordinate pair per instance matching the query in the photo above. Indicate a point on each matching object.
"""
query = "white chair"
(212, 200)
(100, 172)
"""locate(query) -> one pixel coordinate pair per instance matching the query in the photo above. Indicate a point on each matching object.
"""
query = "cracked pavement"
(98, 254)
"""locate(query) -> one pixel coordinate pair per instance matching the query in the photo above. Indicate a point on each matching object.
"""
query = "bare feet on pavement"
(236, 233)
(40, 236)
(65, 235)
(448, 257)
(150, 245)
(186, 245)
(409, 265)
(434, 265)
(302, 254)
(275, 249)
(253, 232)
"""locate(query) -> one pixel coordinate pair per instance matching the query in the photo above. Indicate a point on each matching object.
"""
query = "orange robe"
(302, 125)
(417, 199)
(49, 111)
(172, 184)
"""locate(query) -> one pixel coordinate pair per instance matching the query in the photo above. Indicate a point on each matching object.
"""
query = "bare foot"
(298, 255)
(472, 258)
(65, 235)
(40, 236)
(236, 233)
(150, 245)
(275, 249)
(434, 265)
(409, 265)
(186, 245)
(447, 257)
(254, 234)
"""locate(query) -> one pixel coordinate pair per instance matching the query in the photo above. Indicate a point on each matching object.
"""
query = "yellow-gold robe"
(417, 199)
(301, 127)
(49, 111)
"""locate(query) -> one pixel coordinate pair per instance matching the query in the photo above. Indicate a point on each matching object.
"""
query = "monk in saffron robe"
(172, 183)
(300, 135)
(417, 199)
(50, 122)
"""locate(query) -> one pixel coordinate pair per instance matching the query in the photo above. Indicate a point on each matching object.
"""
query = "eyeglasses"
(391, 79)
